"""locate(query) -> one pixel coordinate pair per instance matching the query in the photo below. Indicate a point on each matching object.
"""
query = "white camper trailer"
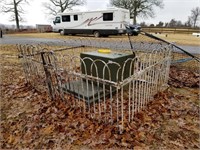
(99, 22)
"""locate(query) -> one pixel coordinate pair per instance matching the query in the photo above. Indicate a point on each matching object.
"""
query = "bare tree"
(58, 6)
(195, 14)
(188, 23)
(142, 8)
(160, 24)
(175, 23)
(15, 8)
(172, 23)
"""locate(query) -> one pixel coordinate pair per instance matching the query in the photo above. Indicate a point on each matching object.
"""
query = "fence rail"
(171, 30)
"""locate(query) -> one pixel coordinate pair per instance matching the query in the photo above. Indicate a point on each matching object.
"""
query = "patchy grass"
(30, 120)
(183, 39)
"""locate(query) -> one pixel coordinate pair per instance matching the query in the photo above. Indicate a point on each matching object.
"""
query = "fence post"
(48, 77)
(1, 33)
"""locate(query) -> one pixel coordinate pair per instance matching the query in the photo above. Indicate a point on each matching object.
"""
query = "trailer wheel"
(96, 34)
(61, 32)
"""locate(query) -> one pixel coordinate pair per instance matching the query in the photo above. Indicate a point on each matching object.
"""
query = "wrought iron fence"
(107, 90)
(30, 57)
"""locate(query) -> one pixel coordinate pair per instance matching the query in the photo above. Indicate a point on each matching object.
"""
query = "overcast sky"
(177, 9)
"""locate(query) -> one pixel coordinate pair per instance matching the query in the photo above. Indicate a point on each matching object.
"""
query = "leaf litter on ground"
(29, 119)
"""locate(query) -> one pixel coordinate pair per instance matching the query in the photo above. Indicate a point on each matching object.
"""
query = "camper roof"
(97, 10)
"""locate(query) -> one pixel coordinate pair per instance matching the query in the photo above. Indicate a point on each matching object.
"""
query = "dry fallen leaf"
(30, 120)
(47, 130)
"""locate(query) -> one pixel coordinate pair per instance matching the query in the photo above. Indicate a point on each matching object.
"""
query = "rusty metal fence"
(32, 65)
(107, 91)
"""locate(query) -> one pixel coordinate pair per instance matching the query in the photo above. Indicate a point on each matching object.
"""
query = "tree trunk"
(194, 23)
(134, 19)
(16, 15)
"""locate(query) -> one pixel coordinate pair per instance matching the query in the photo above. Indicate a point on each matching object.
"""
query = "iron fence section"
(92, 86)
(109, 97)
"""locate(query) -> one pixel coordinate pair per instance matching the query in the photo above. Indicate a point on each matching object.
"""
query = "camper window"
(57, 20)
(107, 16)
(66, 18)
(75, 17)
